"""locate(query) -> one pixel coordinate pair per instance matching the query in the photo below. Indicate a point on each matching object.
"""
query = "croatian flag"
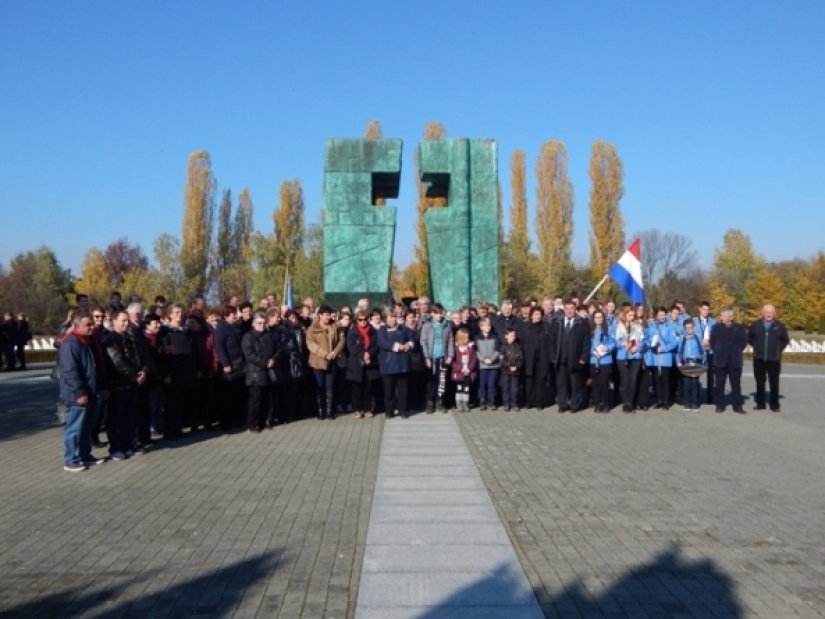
(627, 272)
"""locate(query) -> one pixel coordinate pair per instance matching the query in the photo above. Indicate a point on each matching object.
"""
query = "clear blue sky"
(716, 108)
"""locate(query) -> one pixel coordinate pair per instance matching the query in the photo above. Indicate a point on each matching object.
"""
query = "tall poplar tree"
(242, 244)
(199, 198)
(519, 262)
(607, 239)
(554, 218)
(222, 257)
(432, 131)
(289, 223)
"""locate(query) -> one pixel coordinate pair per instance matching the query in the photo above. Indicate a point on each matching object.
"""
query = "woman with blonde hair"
(629, 335)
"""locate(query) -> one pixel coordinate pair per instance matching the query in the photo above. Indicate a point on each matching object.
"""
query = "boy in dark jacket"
(512, 360)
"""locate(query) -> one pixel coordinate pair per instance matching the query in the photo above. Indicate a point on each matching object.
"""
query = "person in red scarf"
(362, 367)
(78, 388)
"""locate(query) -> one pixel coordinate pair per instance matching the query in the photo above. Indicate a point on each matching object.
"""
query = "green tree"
(308, 279)
(518, 259)
(223, 258)
(607, 239)
(289, 223)
(554, 218)
(199, 197)
(267, 269)
(38, 285)
(242, 246)
(168, 275)
(735, 264)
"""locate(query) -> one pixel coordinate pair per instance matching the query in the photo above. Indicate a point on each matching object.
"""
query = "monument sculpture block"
(462, 237)
(358, 235)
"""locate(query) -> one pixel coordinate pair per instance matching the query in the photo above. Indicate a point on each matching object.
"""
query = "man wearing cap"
(324, 344)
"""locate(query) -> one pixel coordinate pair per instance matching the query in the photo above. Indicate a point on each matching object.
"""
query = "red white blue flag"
(627, 272)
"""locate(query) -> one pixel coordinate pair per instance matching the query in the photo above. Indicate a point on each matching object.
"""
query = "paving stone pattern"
(648, 515)
(664, 514)
(243, 525)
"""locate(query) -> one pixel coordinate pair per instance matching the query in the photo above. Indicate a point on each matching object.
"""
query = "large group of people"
(147, 373)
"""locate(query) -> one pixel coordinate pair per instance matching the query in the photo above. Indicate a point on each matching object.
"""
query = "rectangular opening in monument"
(384, 185)
(437, 188)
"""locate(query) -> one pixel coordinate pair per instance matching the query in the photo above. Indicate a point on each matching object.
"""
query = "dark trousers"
(395, 393)
(257, 406)
(600, 386)
(661, 381)
(690, 391)
(177, 410)
(361, 395)
(143, 415)
(646, 394)
(534, 391)
(231, 403)
(487, 385)
(21, 356)
(710, 374)
(120, 420)
(509, 389)
(629, 374)
(771, 370)
(325, 382)
(568, 387)
(735, 377)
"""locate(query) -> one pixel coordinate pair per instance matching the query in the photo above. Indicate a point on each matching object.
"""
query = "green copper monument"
(359, 235)
(462, 237)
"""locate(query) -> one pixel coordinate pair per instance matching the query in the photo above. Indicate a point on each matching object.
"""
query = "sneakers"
(75, 467)
(117, 456)
(94, 461)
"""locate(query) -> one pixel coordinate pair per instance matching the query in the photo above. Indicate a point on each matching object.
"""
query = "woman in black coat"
(362, 365)
(259, 358)
(536, 347)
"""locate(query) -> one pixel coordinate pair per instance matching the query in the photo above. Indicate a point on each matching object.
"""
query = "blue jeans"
(77, 443)
(488, 379)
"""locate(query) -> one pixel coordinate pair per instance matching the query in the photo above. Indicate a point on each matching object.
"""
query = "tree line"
(219, 254)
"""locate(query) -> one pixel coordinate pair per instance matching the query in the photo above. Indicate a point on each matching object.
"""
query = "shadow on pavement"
(668, 586)
(214, 594)
(27, 405)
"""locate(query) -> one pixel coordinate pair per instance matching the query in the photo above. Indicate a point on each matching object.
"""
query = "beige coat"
(320, 342)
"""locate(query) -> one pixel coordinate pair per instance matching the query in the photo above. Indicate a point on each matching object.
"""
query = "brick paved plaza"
(658, 514)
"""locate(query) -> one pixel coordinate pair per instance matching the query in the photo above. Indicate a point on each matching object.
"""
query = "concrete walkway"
(435, 545)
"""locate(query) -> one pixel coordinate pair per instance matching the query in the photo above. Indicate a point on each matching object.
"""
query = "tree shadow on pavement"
(216, 593)
(668, 586)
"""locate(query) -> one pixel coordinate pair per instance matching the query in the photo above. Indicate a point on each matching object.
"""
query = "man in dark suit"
(728, 340)
(569, 340)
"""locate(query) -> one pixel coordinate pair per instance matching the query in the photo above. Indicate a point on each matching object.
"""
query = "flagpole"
(286, 280)
(599, 285)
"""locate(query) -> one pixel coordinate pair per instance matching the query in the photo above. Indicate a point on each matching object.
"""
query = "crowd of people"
(147, 373)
